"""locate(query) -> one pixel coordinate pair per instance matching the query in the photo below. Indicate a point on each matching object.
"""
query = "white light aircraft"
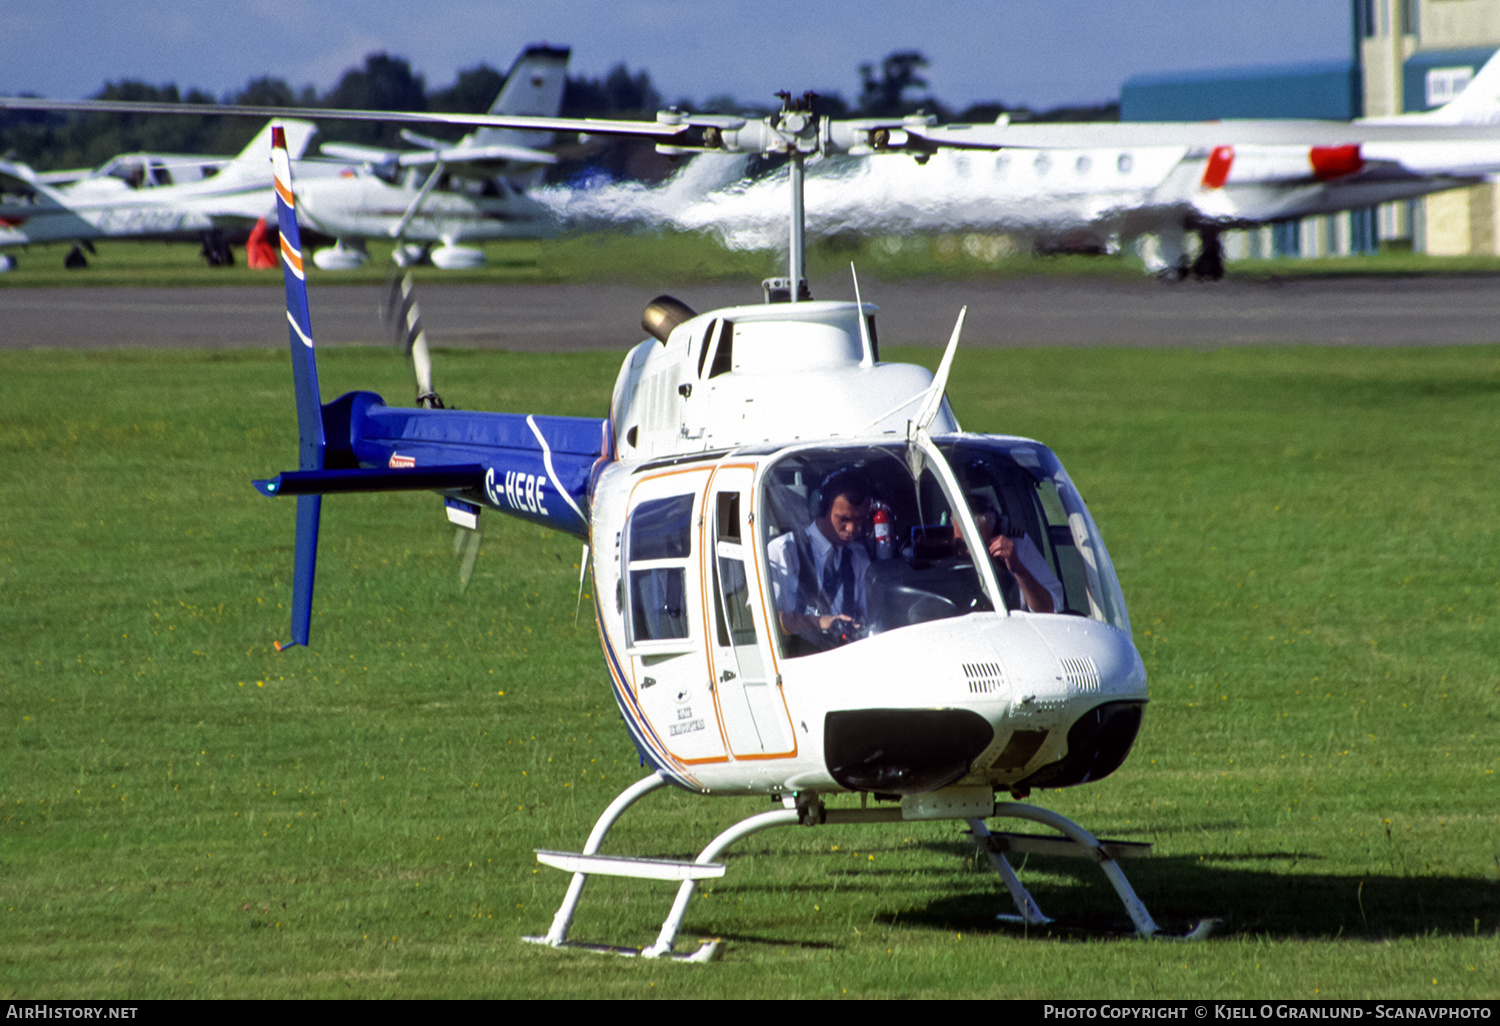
(448, 192)
(146, 196)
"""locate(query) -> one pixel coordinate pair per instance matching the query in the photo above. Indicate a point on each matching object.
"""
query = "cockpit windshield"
(858, 546)
(1017, 489)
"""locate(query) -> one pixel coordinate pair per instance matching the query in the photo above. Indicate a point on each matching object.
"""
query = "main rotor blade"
(596, 126)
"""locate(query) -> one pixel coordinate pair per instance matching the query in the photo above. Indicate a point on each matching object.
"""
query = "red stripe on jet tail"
(1217, 171)
(1335, 161)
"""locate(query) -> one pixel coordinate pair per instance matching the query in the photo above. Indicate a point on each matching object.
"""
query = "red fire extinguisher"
(882, 522)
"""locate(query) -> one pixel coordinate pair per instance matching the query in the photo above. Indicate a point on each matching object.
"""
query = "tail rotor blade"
(466, 543)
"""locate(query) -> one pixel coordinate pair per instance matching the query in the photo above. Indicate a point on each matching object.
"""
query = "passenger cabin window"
(657, 552)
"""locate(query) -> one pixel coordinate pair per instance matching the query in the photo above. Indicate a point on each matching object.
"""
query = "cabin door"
(663, 601)
(750, 704)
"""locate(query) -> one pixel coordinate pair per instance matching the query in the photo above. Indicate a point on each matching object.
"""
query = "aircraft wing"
(22, 192)
(479, 155)
(15, 177)
(359, 154)
(448, 155)
(63, 177)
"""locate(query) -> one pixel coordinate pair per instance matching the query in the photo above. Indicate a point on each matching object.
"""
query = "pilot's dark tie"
(832, 576)
(838, 579)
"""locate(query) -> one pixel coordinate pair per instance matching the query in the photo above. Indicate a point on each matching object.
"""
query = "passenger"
(818, 573)
(1025, 578)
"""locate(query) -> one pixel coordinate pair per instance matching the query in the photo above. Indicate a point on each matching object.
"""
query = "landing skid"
(810, 811)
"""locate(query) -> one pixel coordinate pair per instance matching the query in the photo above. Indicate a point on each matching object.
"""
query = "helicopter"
(729, 441)
(979, 644)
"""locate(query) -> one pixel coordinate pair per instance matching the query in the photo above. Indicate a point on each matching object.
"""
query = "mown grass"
(650, 257)
(1307, 542)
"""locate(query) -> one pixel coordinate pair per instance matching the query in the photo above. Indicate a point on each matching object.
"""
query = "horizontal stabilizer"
(379, 479)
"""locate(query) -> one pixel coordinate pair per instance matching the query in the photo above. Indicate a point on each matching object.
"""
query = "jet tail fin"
(312, 443)
(1477, 104)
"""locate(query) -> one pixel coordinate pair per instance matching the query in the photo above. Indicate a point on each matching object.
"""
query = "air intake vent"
(1081, 675)
(985, 678)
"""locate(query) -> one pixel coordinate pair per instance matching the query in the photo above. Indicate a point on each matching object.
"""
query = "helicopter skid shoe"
(1074, 842)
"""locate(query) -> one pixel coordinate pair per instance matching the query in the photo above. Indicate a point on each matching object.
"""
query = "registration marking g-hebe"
(520, 492)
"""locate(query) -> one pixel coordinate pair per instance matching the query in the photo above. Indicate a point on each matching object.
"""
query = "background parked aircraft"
(445, 193)
(1103, 186)
(145, 195)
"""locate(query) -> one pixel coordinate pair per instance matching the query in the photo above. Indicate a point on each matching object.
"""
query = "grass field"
(1307, 540)
(651, 257)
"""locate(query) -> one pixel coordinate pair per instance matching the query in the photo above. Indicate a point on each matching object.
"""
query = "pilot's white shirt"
(782, 553)
(1033, 560)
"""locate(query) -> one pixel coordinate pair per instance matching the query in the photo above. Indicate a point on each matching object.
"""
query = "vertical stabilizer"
(298, 135)
(534, 87)
(311, 442)
(1479, 103)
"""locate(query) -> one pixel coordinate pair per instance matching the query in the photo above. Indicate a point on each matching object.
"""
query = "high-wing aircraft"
(1103, 186)
(145, 195)
(447, 192)
(971, 639)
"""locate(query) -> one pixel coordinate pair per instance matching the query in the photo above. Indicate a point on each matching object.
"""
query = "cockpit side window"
(723, 361)
(707, 343)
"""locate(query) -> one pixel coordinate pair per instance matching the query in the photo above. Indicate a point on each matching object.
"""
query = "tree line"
(48, 141)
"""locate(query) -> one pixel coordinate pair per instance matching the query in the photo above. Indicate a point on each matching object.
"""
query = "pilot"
(818, 573)
(1025, 578)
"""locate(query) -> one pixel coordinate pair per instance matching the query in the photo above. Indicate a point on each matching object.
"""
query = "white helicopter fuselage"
(720, 433)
